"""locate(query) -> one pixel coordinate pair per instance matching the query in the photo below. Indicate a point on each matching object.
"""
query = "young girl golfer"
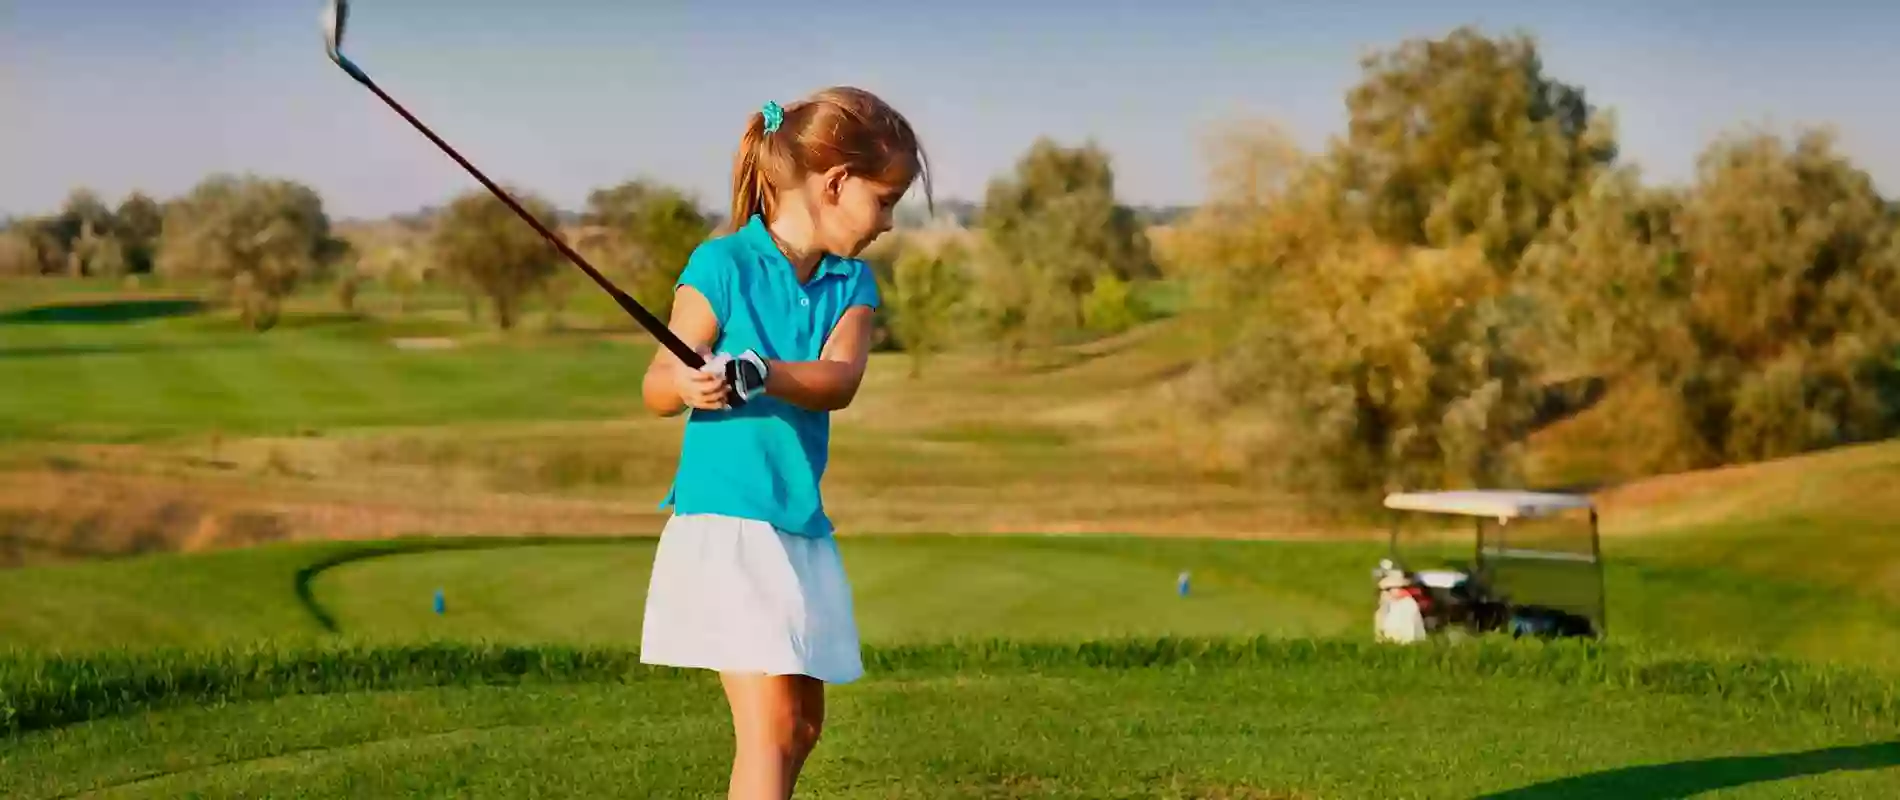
(747, 580)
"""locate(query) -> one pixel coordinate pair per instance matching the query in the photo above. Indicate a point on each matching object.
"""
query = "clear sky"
(564, 95)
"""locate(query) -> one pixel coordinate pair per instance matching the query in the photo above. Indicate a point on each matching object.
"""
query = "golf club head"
(335, 14)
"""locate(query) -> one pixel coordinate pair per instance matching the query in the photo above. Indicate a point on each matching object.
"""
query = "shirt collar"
(755, 235)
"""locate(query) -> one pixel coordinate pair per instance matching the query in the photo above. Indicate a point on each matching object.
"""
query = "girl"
(747, 580)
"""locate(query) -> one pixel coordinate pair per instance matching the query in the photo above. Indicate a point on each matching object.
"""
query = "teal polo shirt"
(764, 460)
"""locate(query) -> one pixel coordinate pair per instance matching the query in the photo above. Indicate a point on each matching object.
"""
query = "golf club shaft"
(639, 313)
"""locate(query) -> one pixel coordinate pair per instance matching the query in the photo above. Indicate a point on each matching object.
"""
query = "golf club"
(334, 17)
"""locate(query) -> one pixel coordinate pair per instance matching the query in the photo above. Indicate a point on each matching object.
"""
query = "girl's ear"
(834, 183)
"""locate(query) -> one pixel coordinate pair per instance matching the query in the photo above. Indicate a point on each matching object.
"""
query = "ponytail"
(748, 184)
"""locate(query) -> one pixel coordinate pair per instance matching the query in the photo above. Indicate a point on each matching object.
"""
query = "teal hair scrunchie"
(774, 116)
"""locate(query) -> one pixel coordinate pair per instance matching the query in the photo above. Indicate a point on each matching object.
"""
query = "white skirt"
(738, 595)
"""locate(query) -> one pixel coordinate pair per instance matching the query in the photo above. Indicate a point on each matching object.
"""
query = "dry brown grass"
(1088, 439)
(1069, 443)
(1849, 483)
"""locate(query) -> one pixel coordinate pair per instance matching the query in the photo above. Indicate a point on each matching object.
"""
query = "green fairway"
(907, 590)
(1261, 723)
(933, 589)
(126, 371)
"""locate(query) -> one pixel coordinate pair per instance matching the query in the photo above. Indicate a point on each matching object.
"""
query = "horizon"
(223, 86)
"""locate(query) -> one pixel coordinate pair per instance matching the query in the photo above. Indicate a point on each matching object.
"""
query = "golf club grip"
(639, 313)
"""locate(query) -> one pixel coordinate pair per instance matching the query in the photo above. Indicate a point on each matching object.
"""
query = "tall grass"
(40, 692)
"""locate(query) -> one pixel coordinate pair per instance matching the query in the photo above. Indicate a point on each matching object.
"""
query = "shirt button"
(804, 301)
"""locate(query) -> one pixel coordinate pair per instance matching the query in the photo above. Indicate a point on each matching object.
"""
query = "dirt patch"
(423, 343)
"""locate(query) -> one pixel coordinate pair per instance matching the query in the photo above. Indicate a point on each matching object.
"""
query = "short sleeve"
(709, 271)
(864, 289)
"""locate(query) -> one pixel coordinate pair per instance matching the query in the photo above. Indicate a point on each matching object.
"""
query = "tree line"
(259, 239)
(1422, 295)
(1469, 261)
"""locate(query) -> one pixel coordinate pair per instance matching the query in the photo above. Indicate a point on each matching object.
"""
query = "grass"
(169, 377)
(909, 590)
(160, 425)
(1009, 720)
(1753, 649)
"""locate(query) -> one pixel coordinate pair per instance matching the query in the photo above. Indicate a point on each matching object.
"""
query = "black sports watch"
(745, 376)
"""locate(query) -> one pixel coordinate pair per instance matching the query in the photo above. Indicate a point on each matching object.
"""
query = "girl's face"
(854, 212)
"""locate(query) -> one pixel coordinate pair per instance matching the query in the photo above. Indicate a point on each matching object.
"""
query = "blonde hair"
(841, 125)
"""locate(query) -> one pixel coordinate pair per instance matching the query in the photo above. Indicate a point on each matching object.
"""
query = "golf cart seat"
(1442, 578)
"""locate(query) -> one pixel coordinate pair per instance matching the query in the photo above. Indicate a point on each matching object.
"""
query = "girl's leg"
(776, 720)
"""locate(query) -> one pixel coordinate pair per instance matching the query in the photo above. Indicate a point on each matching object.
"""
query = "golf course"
(1750, 653)
(1218, 401)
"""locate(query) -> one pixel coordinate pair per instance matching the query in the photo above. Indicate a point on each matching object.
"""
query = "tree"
(927, 290)
(1466, 135)
(82, 211)
(256, 237)
(19, 257)
(1609, 273)
(1368, 296)
(1109, 306)
(493, 252)
(97, 255)
(1057, 220)
(139, 220)
(1385, 367)
(645, 231)
(1270, 204)
(1766, 298)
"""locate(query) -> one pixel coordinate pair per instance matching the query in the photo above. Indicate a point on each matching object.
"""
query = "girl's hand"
(700, 388)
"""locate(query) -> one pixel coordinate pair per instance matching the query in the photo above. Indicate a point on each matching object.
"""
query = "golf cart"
(1537, 568)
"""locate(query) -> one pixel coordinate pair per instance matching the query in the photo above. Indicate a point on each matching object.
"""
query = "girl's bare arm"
(831, 382)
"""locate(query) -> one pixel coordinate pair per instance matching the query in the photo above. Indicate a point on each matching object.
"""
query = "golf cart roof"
(1499, 504)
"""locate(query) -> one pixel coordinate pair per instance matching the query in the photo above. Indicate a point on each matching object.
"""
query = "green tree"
(926, 292)
(1466, 135)
(139, 220)
(1109, 306)
(1056, 219)
(493, 253)
(646, 233)
(345, 267)
(257, 238)
(82, 212)
(882, 257)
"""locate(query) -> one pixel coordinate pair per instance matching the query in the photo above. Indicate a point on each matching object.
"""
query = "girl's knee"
(806, 730)
(789, 732)
(779, 716)
(793, 733)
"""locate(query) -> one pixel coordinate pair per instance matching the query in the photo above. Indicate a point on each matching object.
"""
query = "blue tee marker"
(439, 604)
(1181, 584)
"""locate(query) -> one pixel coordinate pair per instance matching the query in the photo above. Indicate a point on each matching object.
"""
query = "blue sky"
(561, 96)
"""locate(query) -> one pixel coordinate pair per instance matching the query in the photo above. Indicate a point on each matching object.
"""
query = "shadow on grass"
(1686, 778)
(104, 312)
